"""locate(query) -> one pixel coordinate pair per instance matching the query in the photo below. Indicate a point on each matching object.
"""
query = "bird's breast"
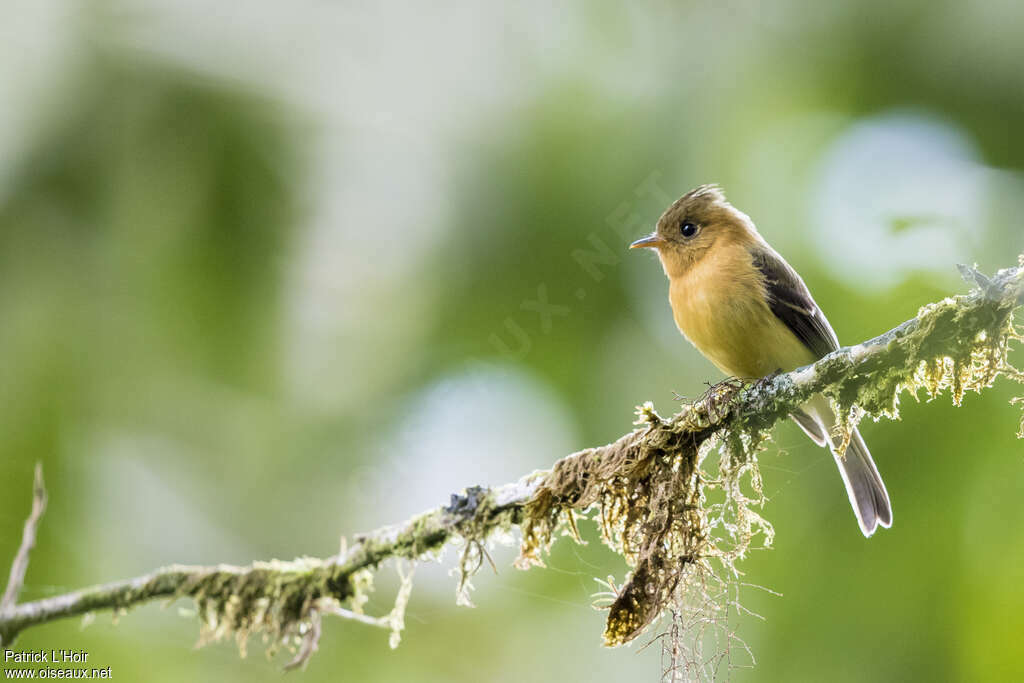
(719, 305)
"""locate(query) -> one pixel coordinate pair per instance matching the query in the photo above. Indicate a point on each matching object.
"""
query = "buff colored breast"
(719, 306)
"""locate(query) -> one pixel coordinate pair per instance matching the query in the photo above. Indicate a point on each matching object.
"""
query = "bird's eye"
(688, 229)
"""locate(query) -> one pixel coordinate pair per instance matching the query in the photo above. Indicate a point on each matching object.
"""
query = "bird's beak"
(651, 240)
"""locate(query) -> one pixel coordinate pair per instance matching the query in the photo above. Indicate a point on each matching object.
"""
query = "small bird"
(746, 309)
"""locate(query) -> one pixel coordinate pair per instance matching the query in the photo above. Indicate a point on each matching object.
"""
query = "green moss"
(273, 599)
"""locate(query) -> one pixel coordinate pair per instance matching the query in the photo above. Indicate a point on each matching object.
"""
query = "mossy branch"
(650, 490)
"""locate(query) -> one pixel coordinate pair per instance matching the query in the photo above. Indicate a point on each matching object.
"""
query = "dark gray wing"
(791, 302)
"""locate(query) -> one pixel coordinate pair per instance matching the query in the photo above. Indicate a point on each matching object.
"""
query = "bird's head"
(696, 222)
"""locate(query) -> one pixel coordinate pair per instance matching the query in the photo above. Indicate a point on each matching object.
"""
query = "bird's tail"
(864, 486)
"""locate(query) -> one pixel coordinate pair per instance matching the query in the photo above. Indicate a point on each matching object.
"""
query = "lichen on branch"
(676, 514)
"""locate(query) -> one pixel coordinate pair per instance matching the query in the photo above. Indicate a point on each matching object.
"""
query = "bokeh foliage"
(150, 237)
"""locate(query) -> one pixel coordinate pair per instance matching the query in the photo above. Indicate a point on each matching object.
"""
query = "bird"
(749, 312)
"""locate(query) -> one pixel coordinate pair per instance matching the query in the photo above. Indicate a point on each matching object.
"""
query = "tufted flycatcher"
(749, 313)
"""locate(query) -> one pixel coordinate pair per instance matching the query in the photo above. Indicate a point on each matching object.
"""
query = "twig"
(28, 541)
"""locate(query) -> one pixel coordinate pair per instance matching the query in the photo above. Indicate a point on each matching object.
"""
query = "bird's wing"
(791, 302)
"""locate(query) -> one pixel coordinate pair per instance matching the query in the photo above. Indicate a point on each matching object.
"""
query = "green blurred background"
(270, 273)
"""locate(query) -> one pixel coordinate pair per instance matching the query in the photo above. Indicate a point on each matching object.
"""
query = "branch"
(276, 597)
(649, 489)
